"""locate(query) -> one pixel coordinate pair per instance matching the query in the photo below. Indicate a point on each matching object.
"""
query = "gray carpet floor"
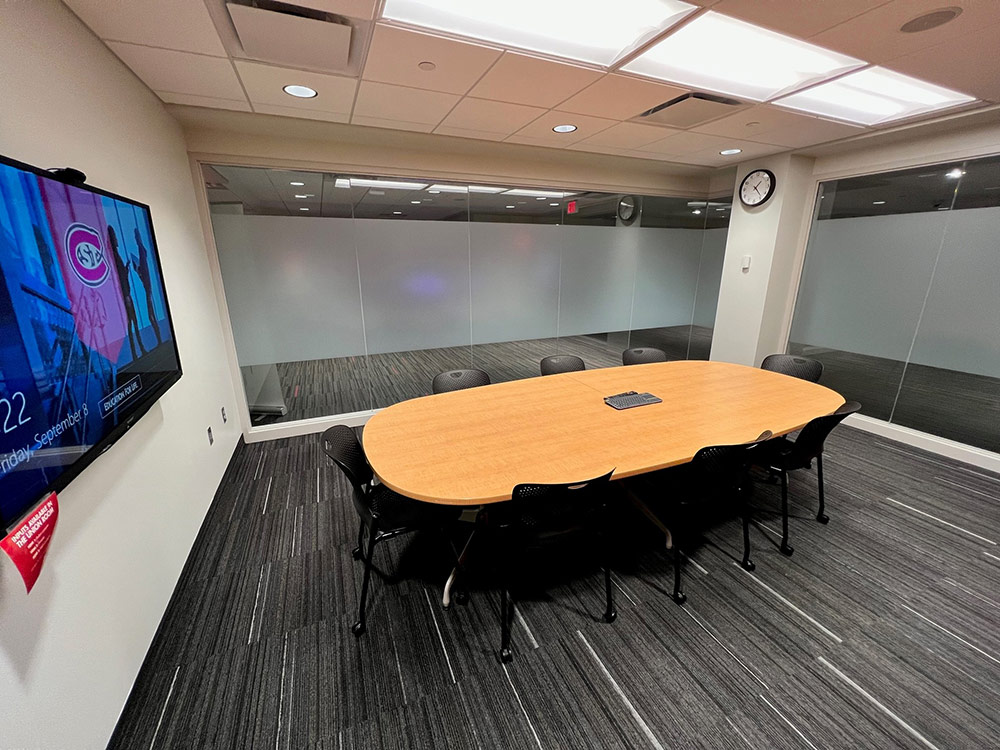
(321, 387)
(881, 631)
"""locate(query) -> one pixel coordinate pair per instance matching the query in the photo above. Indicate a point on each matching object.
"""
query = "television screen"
(86, 342)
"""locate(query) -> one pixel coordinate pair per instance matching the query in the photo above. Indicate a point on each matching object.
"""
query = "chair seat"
(779, 453)
(398, 511)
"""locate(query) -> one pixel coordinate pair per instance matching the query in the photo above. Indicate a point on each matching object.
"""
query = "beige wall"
(70, 650)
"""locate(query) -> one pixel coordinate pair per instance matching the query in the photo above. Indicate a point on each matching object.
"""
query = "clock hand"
(756, 190)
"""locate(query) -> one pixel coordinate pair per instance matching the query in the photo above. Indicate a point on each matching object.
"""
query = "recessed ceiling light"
(586, 31)
(302, 196)
(387, 184)
(540, 198)
(427, 65)
(415, 203)
(299, 92)
(553, 204)
(397, 213)
(435, 192)
(508, 207)
(722, 54)
(955, 173)
(878, 203)
(874, 96)
(564, 128)
(731, 151)
(720, 209)
(342, 182)
(696, 211)
(297, 184)
(303, 209)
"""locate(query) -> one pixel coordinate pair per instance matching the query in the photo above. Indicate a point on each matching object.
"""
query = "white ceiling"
(188, 52)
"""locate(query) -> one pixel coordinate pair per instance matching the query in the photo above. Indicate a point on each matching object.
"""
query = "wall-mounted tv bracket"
(68, 175)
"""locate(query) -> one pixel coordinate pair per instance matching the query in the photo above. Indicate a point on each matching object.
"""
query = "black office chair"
(716, 473)
(561, 363)
(383, 512)
(782, 455)
(642, 355)
(458, 380)
(538, 515)
(797, 367)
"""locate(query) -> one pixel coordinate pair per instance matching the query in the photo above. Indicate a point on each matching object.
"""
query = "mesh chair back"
(642, 355)
(725, 466)
(561, 363)
(341, 444)
(457, 380)
(540, 504)
(797, 367)
(809, 443)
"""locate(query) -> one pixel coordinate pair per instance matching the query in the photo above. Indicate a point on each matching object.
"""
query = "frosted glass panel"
(713, 252)
(598, 274)
(667, 276)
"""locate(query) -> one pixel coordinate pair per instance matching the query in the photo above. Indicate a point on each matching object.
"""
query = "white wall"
(70, 651)
(297, 286)
(865, 280)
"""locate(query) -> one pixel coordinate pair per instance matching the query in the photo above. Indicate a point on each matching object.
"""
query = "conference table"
(471, 447)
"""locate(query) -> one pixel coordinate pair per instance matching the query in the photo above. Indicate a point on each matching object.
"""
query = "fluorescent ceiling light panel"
(448, 189)
(387, 184)
(342, 182)
(873, 97)
(485, 189)
(719, 53)
(536, 193)
(586, 31)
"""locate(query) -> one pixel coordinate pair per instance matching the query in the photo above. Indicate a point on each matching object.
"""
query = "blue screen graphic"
(85, 334)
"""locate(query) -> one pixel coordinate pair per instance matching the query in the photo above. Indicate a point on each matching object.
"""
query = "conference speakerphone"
(631, 399)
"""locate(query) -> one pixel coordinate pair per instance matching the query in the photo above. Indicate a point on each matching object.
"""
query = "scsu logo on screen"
(85, 251)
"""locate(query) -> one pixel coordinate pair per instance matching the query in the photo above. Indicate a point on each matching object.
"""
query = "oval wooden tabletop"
(472, 447)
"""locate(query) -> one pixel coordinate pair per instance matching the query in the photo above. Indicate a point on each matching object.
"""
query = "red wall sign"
(27, 544)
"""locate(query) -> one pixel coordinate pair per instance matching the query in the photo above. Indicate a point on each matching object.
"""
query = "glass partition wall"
(350, 292)
(900, 297)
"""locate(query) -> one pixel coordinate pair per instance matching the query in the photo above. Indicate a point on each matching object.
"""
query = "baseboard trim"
(942, 446)
(307, 426)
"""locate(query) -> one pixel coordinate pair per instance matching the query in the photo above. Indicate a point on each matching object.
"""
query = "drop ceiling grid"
(867, 29)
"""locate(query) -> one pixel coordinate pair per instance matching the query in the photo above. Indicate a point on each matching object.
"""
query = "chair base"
(679, 597)
(358, 629)
(823, 518)
(748, 565)
(786, 549)
(357, 554)
(610, 616)
(506, 656)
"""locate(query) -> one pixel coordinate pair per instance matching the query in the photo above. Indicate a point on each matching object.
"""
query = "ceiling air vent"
(688, 110)
(289, 35)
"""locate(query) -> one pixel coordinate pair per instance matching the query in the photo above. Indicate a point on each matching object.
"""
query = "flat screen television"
(86, 340)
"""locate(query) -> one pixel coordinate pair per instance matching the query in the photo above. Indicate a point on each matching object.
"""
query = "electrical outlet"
(224, 417)
(211, 437)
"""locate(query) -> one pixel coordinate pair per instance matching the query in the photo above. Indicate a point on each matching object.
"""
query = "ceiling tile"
(875, 36)
(687, 142)
(264, 87)
(180, 24)
(766, 123)
(381, 122)
(308, 114)
(523, 79)
(353, 8)
(382, 101)
(483, 135)
(627, 135)
(181, 72)
(620, 97)
(541, 129)
(490, 116)
(204, 101)
(710, 157)
(395, 54)
(976, 71)
(598, 149)
(798, 18)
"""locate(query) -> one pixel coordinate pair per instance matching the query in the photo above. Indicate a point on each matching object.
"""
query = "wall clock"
(628, 209)
(757, 187)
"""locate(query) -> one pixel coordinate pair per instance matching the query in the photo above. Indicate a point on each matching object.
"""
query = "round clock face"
(627, 209)
(757, 187)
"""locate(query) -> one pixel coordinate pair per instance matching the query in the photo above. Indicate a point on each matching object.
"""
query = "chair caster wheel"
(358, 629)
(679, 597)
(786, 550)
(823, 518)
(462, 597)
(610, 616)
(356, 553)
(506, 655)
(748, 565)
